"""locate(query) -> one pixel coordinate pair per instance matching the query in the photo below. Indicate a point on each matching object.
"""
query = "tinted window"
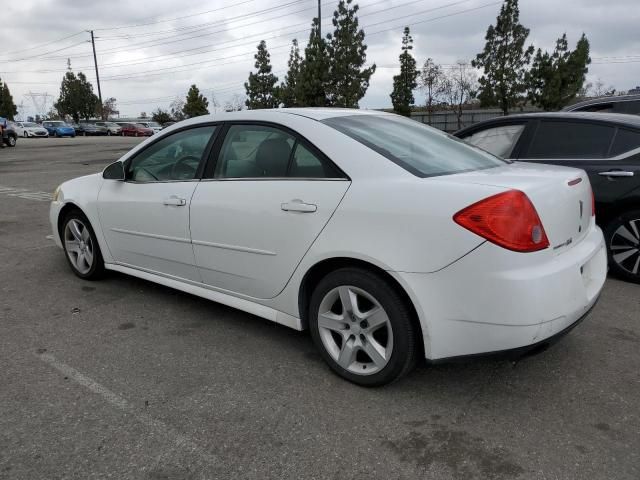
(258, 151)
(498, 140)
(570, 140)
(175, 157)
(625, 140)
(421, 150)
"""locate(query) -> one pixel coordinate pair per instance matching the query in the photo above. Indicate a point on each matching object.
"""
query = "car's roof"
(614, 118)
(272, 114)
(603, 100)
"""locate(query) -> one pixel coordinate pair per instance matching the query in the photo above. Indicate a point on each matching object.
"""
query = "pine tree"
(195, 104)
(161, 116)
(313, 81)
(261, 87)
(349, 81)
(76, 97)
(405, 82)
(288, 88)
(8, 109)
(556, 79)
(504, 59)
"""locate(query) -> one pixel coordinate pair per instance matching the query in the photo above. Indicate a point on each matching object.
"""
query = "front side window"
(419, 149)
(173, 158)
(625, 141)
(570, 140)
(499, 141)
(259, 151)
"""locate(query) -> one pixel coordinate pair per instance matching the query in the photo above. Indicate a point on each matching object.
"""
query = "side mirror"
(115, 171)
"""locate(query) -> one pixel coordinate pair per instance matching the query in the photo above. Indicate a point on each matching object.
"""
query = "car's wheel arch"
(323, 267)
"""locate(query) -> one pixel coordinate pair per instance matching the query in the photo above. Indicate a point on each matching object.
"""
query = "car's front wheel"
(25, 134)
(81, 247)
(363, 327)
(623, 244)
(11, 141)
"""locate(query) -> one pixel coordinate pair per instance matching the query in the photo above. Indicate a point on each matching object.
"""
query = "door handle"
(175, 201)
(298, 206)
(616, 173)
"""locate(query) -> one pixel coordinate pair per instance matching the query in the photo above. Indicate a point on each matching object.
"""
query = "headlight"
(56, 193)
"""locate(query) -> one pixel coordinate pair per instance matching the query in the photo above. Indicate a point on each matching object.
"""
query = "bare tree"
(599, 89)
(432, 82)
(460, 87)
(214, 104)
(176, 108)
(235, 103)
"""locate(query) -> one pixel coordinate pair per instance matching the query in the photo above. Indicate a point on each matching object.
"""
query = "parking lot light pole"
(95, 61)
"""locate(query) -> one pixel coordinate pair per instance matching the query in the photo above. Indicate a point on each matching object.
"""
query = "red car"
(135, 130)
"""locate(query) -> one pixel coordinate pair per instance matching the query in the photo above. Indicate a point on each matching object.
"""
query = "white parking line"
(119, 402)
(25, 194)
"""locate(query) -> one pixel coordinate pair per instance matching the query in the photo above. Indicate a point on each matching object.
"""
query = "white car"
(155, 126)
(388, 239)
(30, 129)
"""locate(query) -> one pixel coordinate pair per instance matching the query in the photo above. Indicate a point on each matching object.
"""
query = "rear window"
(421, 150)
(570, 140)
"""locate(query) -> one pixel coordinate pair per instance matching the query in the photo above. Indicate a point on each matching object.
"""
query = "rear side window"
(570, 140)
(625, 141)
(421, 150)
(497, 140)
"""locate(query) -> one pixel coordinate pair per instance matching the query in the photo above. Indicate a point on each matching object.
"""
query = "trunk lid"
(560, 195)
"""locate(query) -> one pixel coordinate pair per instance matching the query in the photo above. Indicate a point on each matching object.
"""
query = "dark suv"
(620, 104)
(9, 135)
(605, 145)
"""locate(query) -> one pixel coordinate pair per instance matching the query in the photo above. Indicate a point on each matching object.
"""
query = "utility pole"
(95, 61)
(319, 20)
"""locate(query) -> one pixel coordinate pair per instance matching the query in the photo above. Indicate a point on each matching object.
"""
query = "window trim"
(212, 161)
(203, 158)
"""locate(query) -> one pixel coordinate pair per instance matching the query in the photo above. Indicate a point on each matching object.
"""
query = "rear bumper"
(493, 300)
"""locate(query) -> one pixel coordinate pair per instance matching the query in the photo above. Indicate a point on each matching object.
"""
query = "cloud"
(214, 50)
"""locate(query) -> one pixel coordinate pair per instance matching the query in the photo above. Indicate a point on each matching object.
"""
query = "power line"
(43, 44)
(175, 18)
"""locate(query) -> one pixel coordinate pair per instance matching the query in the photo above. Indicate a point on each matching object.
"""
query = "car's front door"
(145, 219)
(266, 199)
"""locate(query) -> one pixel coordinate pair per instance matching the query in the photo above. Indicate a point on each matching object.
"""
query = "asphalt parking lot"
(123, 378)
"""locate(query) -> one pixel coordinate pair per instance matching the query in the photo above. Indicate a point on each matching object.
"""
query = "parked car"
(112, 127)
(606, 146)
(135, 130)
(89, 129)
(388, 239)
(620, 104)
(30, 129)
(57, 128)
(9, 134)
(155, 126)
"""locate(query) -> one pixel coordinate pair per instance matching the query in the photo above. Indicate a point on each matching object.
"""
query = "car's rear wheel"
(623, 245)
(25, 134)
(81, 247)
(362, 327)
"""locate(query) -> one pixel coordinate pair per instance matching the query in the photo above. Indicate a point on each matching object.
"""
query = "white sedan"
(388, 239)
(30, 129)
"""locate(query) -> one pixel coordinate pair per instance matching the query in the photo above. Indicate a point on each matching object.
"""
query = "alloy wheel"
(79, 245)
(625, 246)
(355, 330)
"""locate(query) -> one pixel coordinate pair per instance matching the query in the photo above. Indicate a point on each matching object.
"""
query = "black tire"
(56, 135)
(622, 267)
(96, 270)
(11, 141)
(108, 133)
(25, 134)
(405, 347)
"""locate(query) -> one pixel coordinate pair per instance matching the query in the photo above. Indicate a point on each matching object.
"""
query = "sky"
(150, 52)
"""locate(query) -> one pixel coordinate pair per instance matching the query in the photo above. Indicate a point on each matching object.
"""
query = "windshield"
(419, 149)
(30, 125)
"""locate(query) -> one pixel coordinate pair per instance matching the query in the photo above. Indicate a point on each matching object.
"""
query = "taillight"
(593, 204)
(507, 219)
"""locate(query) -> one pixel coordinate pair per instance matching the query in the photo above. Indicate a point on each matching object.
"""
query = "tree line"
(332, 72)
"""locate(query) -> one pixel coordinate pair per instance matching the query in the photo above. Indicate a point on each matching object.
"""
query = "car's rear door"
(592, 146)
(501, 139)
(266, 198)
